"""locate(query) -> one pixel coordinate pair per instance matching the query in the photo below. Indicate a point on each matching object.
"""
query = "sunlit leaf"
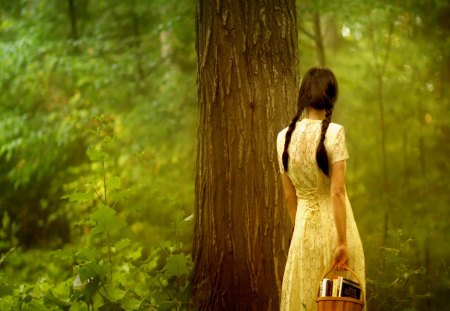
(95, 155)
(80, 197)
(122, 244)
(91, 269)
(86, 254)
(176, 265)
(105, 219)
(114, 183)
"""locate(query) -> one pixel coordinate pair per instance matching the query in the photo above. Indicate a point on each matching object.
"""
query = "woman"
(312, 154)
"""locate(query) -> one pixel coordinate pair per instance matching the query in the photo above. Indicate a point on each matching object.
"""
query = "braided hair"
(319, 90)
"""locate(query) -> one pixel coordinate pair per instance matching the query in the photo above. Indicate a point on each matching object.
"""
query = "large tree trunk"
(247, 88)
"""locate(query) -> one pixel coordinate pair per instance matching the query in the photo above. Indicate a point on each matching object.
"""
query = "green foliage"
(96, 121)
(405, 46)
(110, 264)
(396, 284)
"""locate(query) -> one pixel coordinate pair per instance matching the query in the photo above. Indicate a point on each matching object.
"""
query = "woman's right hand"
(341, 259)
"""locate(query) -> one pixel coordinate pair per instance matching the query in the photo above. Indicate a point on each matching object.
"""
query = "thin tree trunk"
(421, 121)
(406, 169)
(247, 88)
(318, 38)
(382, 130)
(73, 20)
(380, 67)
(137, 46)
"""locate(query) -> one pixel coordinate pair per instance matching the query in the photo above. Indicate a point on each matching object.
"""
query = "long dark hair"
(319, 90)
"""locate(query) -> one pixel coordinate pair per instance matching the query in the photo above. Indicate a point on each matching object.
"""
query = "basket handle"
(353, 273)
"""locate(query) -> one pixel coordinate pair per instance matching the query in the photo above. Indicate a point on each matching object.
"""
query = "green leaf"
(176, 265)
(6, 290)
(80, 197)
(114, 183)
(5, 220)
(391, 250)
(51, 300)
(111, 306)
(88, 293)
(105, 219)
(112, 302)
(95, 155)
(87, 254)
(92, 269)
(122, 244)
(131, 303)
(169, 245)
(134, 256)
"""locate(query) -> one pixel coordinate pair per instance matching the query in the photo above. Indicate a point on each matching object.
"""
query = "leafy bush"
(103, 269)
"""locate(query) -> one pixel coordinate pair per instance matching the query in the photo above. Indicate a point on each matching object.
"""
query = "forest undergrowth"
(109, 268)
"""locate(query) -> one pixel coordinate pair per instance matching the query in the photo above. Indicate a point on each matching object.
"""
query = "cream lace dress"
(314, 237)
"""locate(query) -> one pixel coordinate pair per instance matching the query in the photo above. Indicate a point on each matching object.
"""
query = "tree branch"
(308, 34)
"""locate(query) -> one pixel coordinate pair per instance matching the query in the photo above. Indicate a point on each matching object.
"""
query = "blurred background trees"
(392, 62)
(98, 116)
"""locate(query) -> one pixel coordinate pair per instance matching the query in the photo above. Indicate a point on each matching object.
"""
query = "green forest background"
(98, 116)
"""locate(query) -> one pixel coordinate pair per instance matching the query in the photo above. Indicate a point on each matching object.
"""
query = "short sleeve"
(339, 149)
(280, 147)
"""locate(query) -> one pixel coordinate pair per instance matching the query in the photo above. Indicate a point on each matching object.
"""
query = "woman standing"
(312, 154)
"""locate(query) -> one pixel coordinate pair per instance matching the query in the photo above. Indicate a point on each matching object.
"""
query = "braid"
(291, 129)
(318, 90)
(321, 153)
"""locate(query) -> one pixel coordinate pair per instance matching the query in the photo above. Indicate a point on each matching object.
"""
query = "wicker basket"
(341, 303)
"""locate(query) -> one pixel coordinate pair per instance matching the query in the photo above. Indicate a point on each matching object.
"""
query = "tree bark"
(247, 88)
